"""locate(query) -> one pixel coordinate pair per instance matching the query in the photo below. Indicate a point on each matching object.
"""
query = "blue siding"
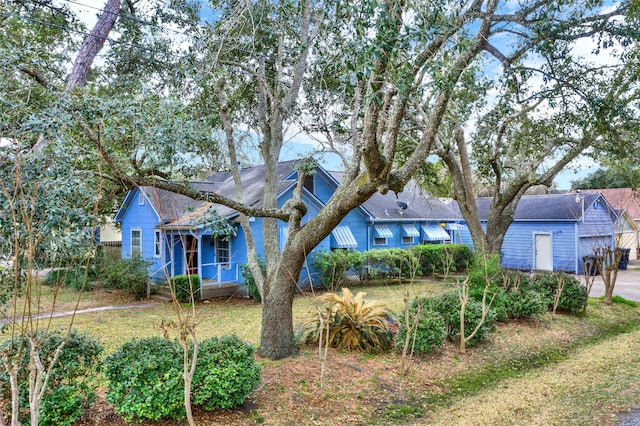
(145, 218)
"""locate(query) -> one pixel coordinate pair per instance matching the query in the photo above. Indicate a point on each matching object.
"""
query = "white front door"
(543, 253)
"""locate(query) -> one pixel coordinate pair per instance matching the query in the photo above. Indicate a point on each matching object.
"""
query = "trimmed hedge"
(574, 295)
(443, 258)
(185, 286)
(332, 266)
(430, 331)
(145, 377)
(391, 263)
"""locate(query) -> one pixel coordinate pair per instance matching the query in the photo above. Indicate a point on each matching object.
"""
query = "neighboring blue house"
(170, 229)
(554, 232)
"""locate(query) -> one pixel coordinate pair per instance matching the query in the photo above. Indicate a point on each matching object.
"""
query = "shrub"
(226, 373)
(391, 263)
(186, 286)
(430, 332)
(354, 323)
(250, 282)
(443, 258)
(131, 275)
(332, 266)
(145, 379)
(448, 306)
(484, 268)
(69, 389)
(573, 297)
(77, 278)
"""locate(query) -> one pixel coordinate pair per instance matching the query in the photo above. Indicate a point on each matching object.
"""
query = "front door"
(543, 253)
(191, 252)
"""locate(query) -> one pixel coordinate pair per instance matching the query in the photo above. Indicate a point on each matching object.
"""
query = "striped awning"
(410, 231)
(344, 237)
(383, 231)
(455, 227)
(434, 233)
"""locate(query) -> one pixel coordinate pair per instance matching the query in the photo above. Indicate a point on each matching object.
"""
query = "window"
(136, 242)
(141, 199)
(223, 252)
(378, 241)
(308, 184)
(407, 240)
(157, 243)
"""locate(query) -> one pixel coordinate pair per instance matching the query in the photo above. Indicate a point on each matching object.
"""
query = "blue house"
(176, 234)
(554, 232)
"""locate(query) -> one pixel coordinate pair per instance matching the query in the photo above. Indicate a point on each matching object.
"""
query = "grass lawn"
(558, 369)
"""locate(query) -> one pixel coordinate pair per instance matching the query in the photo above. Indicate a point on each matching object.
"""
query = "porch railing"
(219, 268)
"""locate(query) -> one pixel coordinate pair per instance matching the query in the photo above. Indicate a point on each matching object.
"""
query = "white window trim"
(386, 243)
(141, 199)
(157, 243)
(407, 240)
(131, 241)
(227, 264)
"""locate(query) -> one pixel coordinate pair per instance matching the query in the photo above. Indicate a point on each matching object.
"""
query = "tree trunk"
(277, 340)
(92, 45)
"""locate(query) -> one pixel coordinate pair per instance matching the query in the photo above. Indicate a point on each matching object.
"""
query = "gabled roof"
(551, 207)
(420, 205)
(622, 199)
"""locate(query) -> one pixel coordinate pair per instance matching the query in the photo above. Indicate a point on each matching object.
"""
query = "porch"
(217, 280)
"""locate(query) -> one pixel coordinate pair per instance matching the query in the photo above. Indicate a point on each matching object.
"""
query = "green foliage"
(145, 379)
(483, 269)
(430, 331)
(514, 296)
(353, 323)
(448, 306)
(391, 263)
(69, 390)
(131, 275)
(573, 297)
(333, 265)
(186, 286)
(250, 282)
(77, 278)
(226, 373)
(443, 258)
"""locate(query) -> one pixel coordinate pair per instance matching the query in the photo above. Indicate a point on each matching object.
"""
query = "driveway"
(627, 284)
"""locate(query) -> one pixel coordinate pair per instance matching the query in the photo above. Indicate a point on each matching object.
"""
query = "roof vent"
(402, 205)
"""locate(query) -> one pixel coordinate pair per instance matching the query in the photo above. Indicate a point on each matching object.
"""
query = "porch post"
(199, 238)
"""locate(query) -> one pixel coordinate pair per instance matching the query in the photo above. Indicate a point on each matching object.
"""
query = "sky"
(301, 146)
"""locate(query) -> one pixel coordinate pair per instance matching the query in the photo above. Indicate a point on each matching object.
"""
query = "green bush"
(448, 306)
(185, 286)
(443, 258)
(332, 266)
(250, 282)
(145, 379)
(77, 278)
(430, 332)
(391, 263)
(484, 268)
(69, 389)
(131, 275)
(514, 296)
(226, 373)
(573, 297)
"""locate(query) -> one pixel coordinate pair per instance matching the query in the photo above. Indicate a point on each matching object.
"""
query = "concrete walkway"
(141, 305)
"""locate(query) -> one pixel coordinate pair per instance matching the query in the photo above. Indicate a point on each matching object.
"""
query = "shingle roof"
(182, 211)
(543, 207)
(420, 205)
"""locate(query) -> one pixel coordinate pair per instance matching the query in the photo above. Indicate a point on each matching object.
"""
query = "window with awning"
(410, 231)
(343, 237)
(455, 227)
(434, 232)
(383, 231)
